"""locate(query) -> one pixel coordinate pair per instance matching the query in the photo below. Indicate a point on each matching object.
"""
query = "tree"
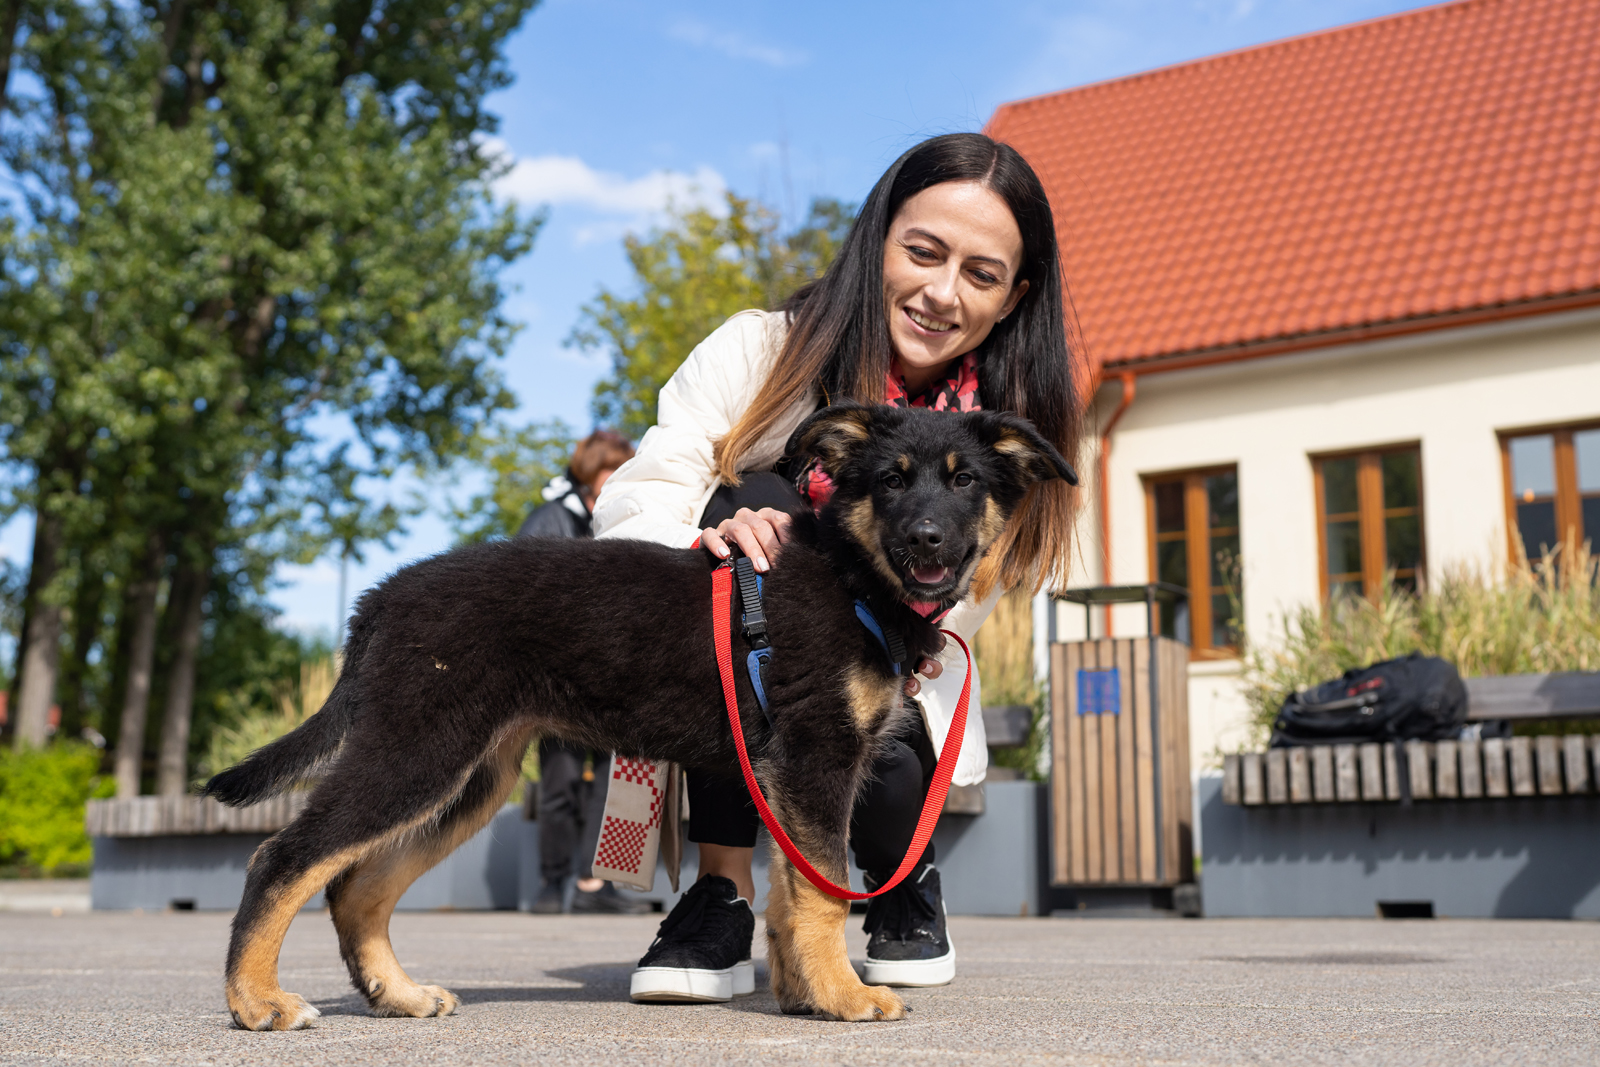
(693, 272)
(239, 223)
(518, 462)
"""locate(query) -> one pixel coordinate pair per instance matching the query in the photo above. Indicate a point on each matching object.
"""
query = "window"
(1553, 486)
(1369, 519)
(1194, 543)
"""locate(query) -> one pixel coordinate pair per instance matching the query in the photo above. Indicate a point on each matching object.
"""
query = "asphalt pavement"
(127, 988)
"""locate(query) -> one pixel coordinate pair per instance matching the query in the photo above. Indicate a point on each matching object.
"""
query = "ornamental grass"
(1524, 618)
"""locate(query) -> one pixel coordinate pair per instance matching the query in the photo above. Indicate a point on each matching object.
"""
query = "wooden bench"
(1467, 769)
(183, 816)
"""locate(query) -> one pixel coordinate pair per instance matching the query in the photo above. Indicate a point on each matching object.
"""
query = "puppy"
(454, 664)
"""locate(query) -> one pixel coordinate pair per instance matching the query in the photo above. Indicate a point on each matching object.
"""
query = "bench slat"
(1299, 776)
(1496, 782)
(1547, 760)
(1254, 791)
(1569, 695)
(1471, 755)
(1446, 778)
(1575, 761)
(1277, 776)
(1322, 773)
(1522, 780)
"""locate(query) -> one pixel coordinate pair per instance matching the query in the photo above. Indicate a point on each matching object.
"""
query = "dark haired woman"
(946, 294)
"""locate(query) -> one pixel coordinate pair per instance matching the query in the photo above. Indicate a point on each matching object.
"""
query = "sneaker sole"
(691, 985)
(912, 973)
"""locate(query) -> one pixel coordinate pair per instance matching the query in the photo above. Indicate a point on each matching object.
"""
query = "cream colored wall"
(1450, 390)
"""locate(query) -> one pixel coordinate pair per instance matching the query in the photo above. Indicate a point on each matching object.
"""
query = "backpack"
(1415, 698)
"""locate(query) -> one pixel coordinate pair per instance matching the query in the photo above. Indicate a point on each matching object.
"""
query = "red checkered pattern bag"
(630, 836)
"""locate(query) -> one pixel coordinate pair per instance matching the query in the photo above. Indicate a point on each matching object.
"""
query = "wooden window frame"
(1369, 486)
(1196, 516)
(1569, 502)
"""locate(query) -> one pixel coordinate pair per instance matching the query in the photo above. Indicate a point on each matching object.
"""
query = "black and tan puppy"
(454, 663)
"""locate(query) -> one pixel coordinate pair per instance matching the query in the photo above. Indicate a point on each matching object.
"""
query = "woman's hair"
(839, 338)
(601, 451)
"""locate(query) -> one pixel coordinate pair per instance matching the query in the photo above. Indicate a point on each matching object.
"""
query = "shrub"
(42, 796)
(1527, 619)
(1003, 648)
(252, 727)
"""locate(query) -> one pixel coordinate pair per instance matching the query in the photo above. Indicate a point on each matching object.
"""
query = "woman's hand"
(929, 667)
(759, 534)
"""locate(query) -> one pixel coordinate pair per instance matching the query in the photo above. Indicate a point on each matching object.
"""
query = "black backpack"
(1415, 698)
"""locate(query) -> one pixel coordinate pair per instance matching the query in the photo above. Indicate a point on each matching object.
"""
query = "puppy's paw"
(864, 1004)
(276, 1010)
(412, 1001)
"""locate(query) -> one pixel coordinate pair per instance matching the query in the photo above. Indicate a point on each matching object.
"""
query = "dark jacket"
(565, 514)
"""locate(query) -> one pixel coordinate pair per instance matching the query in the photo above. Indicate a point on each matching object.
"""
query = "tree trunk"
(8, 729)
(188, 600)
(40, 657)
(141, 604)
(8, 42)
(86, 624)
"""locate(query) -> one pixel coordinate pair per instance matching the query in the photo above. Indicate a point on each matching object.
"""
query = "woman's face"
(950, 265)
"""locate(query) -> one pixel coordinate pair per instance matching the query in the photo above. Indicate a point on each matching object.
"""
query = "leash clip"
(754, 615)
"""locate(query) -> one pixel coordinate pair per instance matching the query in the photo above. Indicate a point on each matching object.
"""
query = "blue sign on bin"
(1099, 692)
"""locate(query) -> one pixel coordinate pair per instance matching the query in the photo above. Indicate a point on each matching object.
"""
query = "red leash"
(721, 614)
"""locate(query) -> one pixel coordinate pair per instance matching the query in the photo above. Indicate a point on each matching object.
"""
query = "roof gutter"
(1130, 389)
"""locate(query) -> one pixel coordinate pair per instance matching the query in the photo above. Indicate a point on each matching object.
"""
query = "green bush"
(42, 795)
(1530, 619)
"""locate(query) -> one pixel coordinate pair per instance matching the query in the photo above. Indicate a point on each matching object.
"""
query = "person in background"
(572, 778)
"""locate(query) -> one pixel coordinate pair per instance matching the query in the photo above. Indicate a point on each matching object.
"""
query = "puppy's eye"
(892, 481)
(963, 480)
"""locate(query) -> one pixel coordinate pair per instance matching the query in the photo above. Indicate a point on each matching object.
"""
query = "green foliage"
(230, 229)
(1528, 620)
(1003, 648)
(253, 725)
(518, 463)
(42, 796)
(693, 273)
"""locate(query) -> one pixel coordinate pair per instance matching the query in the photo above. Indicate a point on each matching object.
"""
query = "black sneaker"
(605, 901)
(702, 951)
(909, 945)
(548, 901)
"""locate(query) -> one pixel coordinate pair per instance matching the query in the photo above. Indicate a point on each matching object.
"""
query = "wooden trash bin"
(1122, 805)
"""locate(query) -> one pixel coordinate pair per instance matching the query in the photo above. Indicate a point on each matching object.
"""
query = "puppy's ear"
(1015, 439)
(834, 433)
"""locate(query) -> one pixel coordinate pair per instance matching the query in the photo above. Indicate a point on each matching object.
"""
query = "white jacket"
(658, 495)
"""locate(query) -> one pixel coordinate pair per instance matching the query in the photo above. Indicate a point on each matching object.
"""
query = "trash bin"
(1121, 805)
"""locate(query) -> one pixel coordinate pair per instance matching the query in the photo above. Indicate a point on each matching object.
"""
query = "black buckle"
(755, 617)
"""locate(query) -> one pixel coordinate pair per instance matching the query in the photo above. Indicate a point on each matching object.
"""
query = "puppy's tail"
(274, 768)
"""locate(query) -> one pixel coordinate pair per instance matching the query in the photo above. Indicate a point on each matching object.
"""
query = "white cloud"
(735, 45)
(568, 180)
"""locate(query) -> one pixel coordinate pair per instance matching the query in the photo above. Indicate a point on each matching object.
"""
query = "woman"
(946, 294)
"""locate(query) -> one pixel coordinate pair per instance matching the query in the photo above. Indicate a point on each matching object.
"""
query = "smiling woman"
(948, 266)
(946, 295)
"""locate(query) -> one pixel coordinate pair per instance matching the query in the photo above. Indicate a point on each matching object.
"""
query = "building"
(1341, 295)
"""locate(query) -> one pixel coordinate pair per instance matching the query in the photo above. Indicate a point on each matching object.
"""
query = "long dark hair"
(838, 338)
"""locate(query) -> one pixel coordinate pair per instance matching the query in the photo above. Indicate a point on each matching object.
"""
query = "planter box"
(1523, 858)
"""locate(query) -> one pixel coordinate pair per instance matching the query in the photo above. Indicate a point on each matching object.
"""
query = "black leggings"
(885, 817)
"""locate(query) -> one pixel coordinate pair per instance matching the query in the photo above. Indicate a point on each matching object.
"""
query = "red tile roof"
(1407, 172)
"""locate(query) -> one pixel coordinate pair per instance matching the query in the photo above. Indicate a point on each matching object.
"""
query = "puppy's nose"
(924, 535)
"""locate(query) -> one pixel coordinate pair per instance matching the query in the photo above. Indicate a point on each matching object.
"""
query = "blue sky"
(620, 104)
